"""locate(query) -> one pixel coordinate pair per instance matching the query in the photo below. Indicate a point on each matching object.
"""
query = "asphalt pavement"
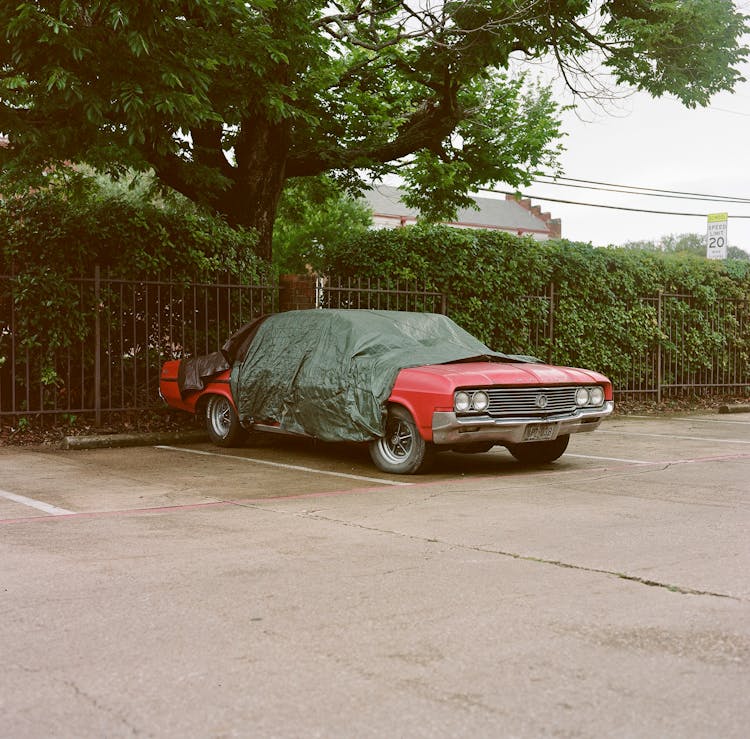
(290, 589)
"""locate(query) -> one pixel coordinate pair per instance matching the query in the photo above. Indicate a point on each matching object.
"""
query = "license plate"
(541, 432)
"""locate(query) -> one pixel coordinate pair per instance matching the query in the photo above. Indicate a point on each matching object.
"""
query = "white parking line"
(284, 466)
(38, 504)
(661, 462)
(712, 420)
(695, 419)
(609, 459)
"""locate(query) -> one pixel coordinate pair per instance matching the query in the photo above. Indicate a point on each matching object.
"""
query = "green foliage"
(314, 213)
(52, 236)
(225, 100)
(688, 243)
(508, 116)
(23, 424)
(606, 300)
(685, 48)
(65, 228)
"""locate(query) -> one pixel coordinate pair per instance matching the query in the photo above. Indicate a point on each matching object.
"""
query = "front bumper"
(452, 430)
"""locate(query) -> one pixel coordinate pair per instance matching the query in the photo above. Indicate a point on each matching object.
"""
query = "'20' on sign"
(716, 237)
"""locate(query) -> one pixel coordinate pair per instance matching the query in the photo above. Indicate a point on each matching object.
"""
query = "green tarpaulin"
(328, 373)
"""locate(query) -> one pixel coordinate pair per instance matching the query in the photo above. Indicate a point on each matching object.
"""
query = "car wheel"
(222, 423)
(402, 450)
(537, 452)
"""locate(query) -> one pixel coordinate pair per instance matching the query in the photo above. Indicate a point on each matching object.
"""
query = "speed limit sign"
(716, 238)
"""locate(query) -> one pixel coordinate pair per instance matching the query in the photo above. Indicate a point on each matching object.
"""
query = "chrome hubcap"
(397, 443)
(220, 415)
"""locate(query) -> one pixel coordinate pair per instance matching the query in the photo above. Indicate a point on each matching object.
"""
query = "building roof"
(510, 214)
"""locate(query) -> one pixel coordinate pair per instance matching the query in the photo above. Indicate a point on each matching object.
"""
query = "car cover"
(329, 373)
(193, 372)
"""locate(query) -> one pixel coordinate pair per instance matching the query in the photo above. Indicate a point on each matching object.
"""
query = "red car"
(409, 384)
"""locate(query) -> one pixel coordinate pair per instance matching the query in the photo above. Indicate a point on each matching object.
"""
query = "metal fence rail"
(336, 292)
(706, 347)
(124, 330)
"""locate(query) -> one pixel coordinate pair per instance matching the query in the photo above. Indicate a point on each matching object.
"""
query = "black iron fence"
(670, 344)
(337, 292)
(109, 361)
(705, 347)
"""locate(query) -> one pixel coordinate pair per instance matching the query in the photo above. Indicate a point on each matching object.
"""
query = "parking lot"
(289, 589)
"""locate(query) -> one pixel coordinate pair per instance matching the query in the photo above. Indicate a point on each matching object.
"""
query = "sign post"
(716, 237)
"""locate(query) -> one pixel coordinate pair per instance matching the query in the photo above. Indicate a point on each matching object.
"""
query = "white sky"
(655, 143)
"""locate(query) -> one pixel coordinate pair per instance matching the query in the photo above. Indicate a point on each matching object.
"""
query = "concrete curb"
(106, 441)
(734, 408)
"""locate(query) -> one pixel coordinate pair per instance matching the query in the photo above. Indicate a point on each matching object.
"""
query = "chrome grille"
(531, 401)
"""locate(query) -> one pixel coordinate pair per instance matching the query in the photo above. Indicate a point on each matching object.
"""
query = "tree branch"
(426, 128)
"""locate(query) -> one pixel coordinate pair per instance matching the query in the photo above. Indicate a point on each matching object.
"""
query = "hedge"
(499, 287)
(50, 237)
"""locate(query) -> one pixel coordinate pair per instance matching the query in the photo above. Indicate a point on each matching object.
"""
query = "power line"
(733, 112)
(629, 190)
(702, 198)
(609, 207)
(644, 190)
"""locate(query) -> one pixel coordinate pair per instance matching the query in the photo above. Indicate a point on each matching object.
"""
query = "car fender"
(192, 401)
(213, 388)
(420, 412)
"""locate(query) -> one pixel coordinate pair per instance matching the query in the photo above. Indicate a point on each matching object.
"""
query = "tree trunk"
(253, 205)
(259, 179)
(255, 182)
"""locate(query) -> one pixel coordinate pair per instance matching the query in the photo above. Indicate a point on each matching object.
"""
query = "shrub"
(50, 241)
(500, 288)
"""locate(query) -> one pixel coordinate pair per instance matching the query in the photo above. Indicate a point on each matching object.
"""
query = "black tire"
(222, 423)
(539, 452)
(475, 447)
(402, 450)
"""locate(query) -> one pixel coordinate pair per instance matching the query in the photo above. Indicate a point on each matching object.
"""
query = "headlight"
(582, 397)
(481, 401)
(471, 401)
(461, 402)
(596, 396)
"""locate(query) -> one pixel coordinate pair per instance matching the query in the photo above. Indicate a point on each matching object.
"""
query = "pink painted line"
(359, 491)
(324, 494)
(418, 485)
(510, 475)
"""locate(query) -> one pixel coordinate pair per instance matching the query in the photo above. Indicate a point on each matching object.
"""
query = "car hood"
(483, 374)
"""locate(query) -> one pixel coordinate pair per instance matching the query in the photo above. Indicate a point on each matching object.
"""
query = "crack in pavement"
(315, 515)
(621, 575)
(96, 703)
(528, 558)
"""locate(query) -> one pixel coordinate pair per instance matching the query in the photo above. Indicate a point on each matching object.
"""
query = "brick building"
(517, 216)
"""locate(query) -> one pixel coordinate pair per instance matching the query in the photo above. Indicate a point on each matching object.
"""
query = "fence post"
(660, 348)
(97, 347)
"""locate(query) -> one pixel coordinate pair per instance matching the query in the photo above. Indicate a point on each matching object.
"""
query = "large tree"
(227, 99)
